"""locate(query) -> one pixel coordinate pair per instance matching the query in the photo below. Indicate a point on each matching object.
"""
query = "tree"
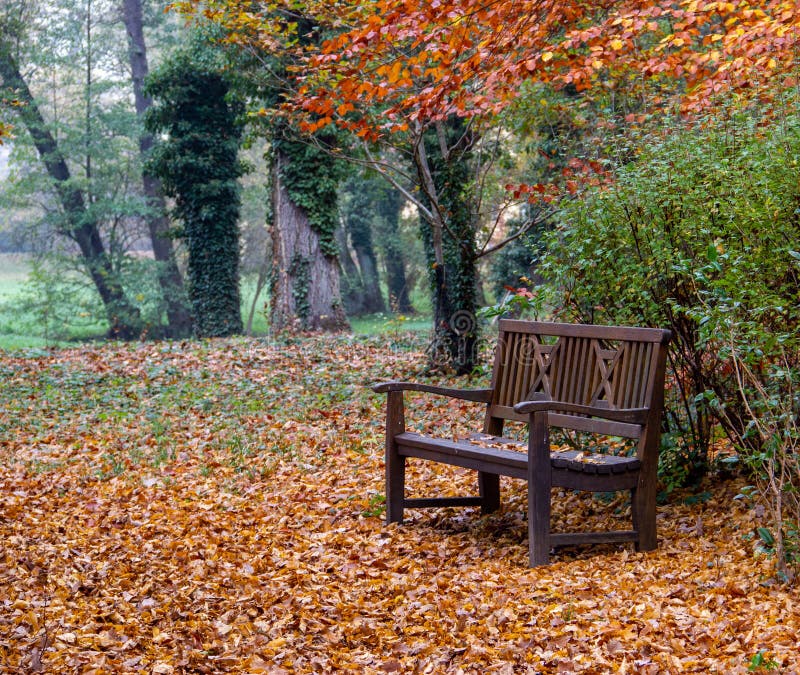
(357, 211)
(388, 208)
(169, 276)
(400, 70)
(80, 75)
(451, 251)
(305, 287)
(747, 47)
(474, 56)
(79, 222)
(376, 208)
(358, 80)
(197, 164)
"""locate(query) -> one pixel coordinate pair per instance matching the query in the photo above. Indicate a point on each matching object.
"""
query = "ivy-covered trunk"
(197, 112)
(305, 282)
(452, 270)
(455, 327)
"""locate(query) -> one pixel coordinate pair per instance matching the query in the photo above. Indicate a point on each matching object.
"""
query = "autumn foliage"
(216, 507)
(394, 63)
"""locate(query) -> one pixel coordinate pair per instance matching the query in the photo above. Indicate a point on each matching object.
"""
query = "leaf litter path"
(215, 507)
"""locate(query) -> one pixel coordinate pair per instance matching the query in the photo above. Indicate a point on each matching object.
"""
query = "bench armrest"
(477, 395)
(629, 415)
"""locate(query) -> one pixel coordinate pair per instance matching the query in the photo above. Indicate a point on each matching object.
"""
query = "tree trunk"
(169, 276)
(444, 171)
(358, 209)
(349, 266)
(389, 205)
(350, 279)
(455, 329)
(373, 300)
(305, 288)
(124, 318)
(361, 238)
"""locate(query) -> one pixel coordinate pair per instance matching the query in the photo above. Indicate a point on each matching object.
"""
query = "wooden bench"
(602, 380)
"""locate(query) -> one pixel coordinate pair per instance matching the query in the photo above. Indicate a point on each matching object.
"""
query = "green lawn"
(19, 331)
(376, 324)
(14, 270)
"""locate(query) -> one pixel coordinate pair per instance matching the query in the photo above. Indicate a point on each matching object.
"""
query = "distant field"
(381, 323)
(14, 270)
(18, 331)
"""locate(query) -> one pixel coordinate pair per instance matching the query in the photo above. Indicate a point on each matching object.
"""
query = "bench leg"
(538, 525)
(539, 484)
(395, 487)
(643, 510)
(489, 486)
(395, 463)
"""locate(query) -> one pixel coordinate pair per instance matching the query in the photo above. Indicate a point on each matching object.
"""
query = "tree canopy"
(393, 63)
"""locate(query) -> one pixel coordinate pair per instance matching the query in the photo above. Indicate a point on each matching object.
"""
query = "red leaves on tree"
(394, 63)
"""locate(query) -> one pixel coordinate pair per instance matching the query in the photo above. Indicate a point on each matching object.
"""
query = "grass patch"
(22, 325)
(381, 324)
(14, 270)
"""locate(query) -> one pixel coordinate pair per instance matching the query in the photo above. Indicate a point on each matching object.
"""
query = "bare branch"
(440, 135)
(526, 227)
(383, 168)
(437, 219)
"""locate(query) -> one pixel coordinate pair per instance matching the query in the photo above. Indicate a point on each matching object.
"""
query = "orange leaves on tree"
(576, 175)
(754, 46)
(390, 65)
(714, 46)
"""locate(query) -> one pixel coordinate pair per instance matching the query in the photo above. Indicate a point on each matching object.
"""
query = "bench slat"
(593, 462)
(471, 455)
(464, 454)
(575, 538)
(637, 334)
(590, 425)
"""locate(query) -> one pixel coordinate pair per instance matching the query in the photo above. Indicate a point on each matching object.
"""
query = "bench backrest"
(603, 366)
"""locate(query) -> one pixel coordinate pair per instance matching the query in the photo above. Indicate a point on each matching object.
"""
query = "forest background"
(225, 169)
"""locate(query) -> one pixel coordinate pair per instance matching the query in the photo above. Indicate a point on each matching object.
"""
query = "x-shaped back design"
(545, 356)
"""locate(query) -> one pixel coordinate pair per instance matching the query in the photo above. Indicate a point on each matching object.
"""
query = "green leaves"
(699, 235)
(696, 235)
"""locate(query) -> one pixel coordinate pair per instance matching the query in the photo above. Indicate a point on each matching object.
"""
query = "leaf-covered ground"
(217, 507)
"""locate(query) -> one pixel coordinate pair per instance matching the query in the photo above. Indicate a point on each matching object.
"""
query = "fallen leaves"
(215, 507)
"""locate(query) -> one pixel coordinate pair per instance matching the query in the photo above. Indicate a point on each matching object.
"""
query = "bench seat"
(493, 454)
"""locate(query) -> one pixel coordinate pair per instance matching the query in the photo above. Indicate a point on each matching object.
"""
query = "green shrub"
(58, 303)
(700, 235)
